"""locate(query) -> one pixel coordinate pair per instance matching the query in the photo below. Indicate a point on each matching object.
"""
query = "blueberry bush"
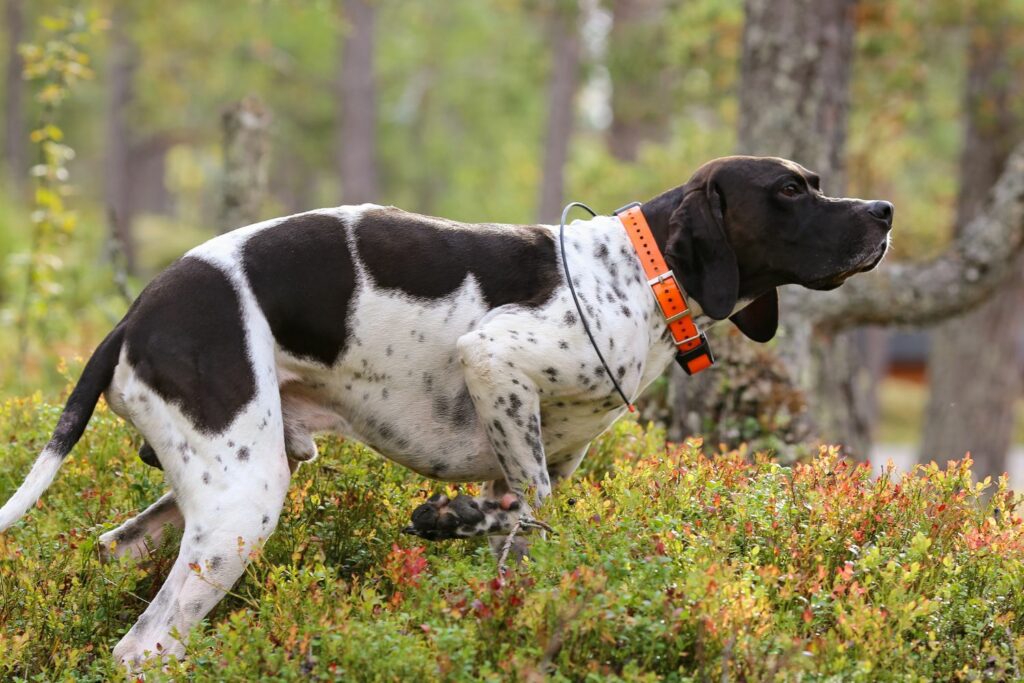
(669, 562)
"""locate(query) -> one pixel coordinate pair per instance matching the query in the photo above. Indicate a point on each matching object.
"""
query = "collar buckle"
(698, 358)
(658, 279)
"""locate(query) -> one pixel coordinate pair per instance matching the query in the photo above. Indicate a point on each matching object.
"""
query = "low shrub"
(666, 564)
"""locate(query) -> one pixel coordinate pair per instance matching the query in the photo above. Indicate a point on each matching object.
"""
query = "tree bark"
(246, 126)
(15, 134)
(793, 97)
(120, 209)
(357, 100)
(561, 97)
(794, 100)
(794, 83)
(640, 79)
(971, 405)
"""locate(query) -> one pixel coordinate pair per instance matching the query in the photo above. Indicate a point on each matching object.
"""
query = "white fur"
(38, 480)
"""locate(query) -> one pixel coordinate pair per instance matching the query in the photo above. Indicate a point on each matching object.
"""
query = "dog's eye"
(791, 189)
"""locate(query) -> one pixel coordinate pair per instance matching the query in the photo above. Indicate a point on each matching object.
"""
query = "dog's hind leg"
(142, 533)
(226, 521)
(228, 489)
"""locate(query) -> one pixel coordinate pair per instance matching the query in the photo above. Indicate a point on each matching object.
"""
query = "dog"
(453, 349)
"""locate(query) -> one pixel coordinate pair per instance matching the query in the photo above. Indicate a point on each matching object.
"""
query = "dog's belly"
(428, 425)
(399, 387)
(434, 432)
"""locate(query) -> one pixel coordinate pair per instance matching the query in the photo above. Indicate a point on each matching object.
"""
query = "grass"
(667, 564)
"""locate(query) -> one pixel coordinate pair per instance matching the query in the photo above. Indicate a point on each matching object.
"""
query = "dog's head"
(746, 225)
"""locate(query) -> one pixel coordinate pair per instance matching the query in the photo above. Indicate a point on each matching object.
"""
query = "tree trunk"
(561, 96)
(15, 135)
(640, 79)
(971, 407)
(794, 100)
(148, 160)
(357, 100)
(120, 93)
(790, 99)
(794, 83)
(246, 161)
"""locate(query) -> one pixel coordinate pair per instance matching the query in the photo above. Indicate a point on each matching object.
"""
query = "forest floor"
(669, 562)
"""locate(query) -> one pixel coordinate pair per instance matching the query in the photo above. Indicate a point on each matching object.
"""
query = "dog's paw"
(442, 518)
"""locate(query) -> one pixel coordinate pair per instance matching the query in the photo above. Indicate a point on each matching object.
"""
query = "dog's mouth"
(869, 262)
(879, 254)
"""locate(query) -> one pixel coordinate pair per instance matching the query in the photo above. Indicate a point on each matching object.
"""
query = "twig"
(507, 546)
(138, 597)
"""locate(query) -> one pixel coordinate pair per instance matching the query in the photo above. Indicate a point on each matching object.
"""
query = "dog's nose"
(882, 211)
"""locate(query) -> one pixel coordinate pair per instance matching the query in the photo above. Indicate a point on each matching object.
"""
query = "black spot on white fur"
(148, 456)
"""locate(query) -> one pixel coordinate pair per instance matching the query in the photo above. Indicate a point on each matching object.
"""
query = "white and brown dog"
(453, 349)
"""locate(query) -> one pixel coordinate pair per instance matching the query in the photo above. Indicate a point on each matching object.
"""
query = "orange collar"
(693, 353)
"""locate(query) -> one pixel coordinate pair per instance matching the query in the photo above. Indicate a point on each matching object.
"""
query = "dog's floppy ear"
(760, 318)
(707, 261)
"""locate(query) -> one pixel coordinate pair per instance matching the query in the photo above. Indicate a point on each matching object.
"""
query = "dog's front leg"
(507, 403)
(496, 489)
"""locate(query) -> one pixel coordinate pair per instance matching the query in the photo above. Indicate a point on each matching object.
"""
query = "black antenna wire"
(575, 299)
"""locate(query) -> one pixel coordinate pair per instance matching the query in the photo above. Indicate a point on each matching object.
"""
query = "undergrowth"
(668, 564)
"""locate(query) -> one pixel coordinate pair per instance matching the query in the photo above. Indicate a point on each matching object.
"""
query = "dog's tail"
(96, 377)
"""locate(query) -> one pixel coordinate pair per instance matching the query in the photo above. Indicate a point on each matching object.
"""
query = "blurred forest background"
(135, 130)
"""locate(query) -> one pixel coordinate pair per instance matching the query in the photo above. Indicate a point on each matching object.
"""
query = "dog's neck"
(658, 212)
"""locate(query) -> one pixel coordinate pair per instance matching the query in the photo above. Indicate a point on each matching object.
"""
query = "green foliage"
(57, 64)
(666, 565)
(462, 101)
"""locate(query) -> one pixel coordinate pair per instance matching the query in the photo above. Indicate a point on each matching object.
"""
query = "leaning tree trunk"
(975, 366)
(565, 41)
(973, 268)
(15, 135)
(641, 81)
(120, 93)
(356, 89)
(246, 126)
(794, 99)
